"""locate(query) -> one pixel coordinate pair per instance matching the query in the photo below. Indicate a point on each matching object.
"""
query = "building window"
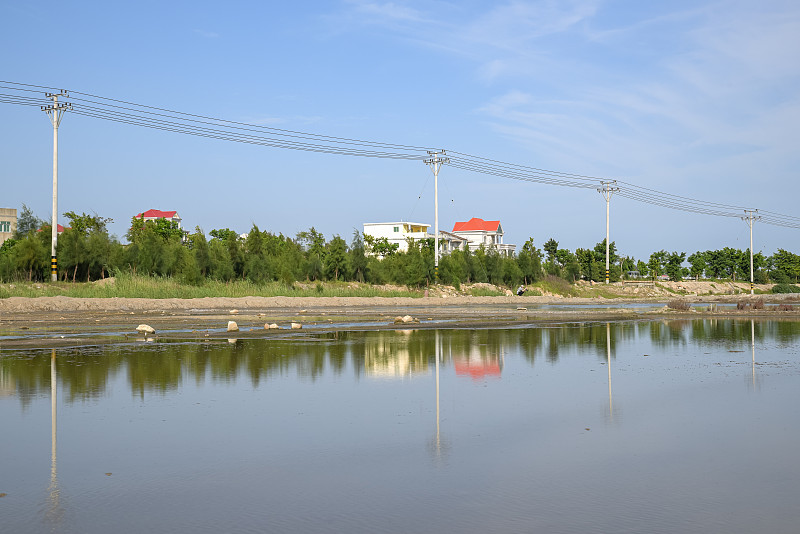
(396, 228)
(5, 226)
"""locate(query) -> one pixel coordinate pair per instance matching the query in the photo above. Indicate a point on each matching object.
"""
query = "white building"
(488, 234)
(397, 232)
(449, 242)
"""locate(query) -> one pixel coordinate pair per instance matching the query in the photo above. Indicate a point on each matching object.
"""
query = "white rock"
(232, 326)
(145, 329)
(271, 326)
(296, 326)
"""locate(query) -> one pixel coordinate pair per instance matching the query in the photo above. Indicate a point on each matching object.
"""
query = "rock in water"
(145, 329)
(296, 326)
(232, 326)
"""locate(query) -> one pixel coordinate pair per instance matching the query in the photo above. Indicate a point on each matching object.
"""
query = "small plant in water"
(680, 305)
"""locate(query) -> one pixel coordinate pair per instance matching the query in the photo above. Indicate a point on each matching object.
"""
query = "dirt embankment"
(438, 297)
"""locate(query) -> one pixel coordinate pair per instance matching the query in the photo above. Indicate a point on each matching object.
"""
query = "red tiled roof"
(477, 370)
(157, 214)
(60, 229)
(476, 224)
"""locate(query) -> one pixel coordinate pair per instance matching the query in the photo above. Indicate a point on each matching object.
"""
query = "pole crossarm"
(55, 111)
(435, 162)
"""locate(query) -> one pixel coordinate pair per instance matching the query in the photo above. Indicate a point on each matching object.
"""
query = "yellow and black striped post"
(54, 267)
(607, 277)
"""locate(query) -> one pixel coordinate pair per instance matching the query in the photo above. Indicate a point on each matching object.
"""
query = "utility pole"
(607, 191)
(435, 162)
(56, 112)
(750, 218)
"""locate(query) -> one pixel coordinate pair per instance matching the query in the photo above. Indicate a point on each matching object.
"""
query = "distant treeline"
(159, 248)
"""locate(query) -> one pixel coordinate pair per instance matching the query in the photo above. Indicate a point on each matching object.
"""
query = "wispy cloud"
(384, 12)
(706, 89)
(206, 34)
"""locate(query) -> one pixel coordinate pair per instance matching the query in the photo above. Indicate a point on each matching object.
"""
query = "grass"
(556, 286)
(485, 292)
(134, 286)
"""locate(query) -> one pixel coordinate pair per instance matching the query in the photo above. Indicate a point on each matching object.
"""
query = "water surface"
(646, 426)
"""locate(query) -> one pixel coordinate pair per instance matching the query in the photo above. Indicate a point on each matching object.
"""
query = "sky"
(694, 98)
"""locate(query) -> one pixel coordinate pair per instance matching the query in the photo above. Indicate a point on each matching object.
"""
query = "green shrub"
(785, 288)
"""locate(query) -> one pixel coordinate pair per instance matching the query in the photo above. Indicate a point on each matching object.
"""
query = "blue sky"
(699, 99)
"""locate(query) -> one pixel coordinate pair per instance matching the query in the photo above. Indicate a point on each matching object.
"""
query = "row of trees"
(86, 251)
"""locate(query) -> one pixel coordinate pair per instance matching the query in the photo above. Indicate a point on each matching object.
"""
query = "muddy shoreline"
(45, 322)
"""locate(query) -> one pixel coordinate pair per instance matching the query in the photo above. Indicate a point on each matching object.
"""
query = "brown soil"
(66, 321)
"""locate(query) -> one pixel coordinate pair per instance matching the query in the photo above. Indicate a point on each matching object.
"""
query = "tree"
(785, 266)
(234, 258)
(529, 261)
(336, 258)
(256, 266)
(358, 258)
(199, 246)
(551, 248)
(698, 264)
(220, 264)
(590, 267)
(27, 222)
(85, 244)
(655, 265)
(31, 254)
(380, 246)
(162, 227)
(84, 223)
(673, 266)
(643, 269)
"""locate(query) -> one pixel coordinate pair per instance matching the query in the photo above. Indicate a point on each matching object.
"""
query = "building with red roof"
(153, 215)
(488, 234)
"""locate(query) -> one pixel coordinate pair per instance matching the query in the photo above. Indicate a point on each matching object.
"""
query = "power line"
(164, 119)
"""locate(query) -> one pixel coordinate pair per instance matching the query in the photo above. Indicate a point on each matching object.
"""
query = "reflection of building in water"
(477, 364)
(391, 355)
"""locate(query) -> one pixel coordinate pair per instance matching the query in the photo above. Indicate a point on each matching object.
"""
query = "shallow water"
(647, 426)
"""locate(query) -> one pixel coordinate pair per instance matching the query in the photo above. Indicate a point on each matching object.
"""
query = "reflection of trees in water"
(586, 337)
(160, 367)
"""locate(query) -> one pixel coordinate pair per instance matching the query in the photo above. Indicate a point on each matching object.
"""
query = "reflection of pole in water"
(753, 348)
(608, 363)
(438, 433)
(437, 445)
(54, 492)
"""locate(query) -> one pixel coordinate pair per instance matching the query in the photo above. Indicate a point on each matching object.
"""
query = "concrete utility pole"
(607, 191)
(750, 218)
(56, 112)
(435, 163)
